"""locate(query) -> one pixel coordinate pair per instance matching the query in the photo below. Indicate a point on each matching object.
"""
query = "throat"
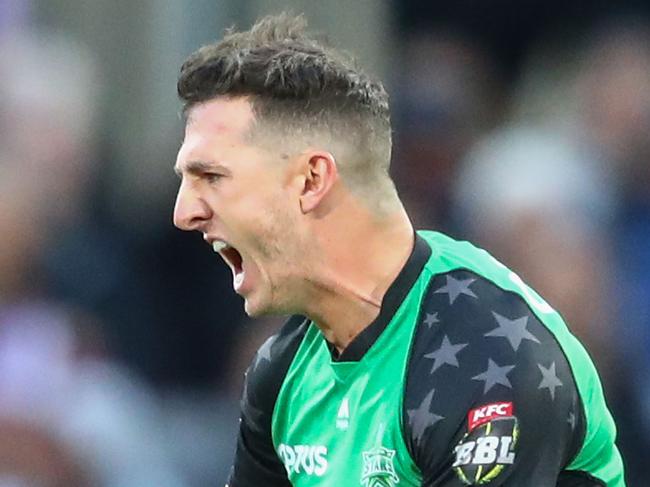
(342, 323)
(350, 277)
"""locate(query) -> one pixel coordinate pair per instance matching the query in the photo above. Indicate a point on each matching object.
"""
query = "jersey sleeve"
(256, 461)
(490, 398)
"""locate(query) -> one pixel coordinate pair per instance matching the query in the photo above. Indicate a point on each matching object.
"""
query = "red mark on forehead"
(223, 116)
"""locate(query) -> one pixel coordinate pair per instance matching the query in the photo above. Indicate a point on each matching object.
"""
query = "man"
(411, 358)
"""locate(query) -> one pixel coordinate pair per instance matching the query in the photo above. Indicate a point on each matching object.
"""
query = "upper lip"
(212, 239)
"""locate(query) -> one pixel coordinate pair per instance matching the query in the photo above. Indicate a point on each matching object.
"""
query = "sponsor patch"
(485, 414)
(488, 448)
(304, 459)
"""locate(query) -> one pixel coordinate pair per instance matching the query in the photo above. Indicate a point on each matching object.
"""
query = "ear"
(320, 175)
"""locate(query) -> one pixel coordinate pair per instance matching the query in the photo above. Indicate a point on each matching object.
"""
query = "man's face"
(240, 196)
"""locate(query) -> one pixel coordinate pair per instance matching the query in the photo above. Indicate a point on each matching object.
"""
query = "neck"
(358, 256)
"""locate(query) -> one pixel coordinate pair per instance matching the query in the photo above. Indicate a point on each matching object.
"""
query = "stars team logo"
(378, 469)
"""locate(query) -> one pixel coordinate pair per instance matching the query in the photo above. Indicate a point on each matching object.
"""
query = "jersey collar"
(394, 296)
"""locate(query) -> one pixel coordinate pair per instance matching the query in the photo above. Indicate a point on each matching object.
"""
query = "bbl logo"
(378, 470)
(486, 451)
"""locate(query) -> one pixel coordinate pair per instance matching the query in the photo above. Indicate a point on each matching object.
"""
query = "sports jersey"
(466, 377)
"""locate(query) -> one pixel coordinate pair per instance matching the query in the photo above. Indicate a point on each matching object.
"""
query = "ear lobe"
(321, 174)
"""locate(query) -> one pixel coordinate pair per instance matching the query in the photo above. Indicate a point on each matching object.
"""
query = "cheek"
(277, 231)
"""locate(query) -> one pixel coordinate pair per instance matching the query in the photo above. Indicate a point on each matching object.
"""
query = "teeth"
(219, 245)
(238, 280)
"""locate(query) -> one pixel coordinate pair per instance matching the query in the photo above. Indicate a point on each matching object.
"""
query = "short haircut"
(297, 85)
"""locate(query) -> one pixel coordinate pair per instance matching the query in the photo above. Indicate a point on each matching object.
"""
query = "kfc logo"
(484, 414)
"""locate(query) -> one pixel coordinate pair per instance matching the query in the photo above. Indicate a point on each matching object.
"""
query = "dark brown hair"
(294, 82)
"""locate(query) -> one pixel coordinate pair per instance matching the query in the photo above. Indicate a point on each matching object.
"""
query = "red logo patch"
(479, 416)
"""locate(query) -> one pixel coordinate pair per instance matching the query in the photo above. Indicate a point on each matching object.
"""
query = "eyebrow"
(201, 167)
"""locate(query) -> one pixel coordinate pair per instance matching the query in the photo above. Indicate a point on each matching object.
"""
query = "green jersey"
(466, 377)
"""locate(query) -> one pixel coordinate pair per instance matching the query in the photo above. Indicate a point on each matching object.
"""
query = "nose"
(191, 212)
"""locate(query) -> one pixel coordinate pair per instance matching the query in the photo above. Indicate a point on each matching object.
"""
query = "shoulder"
(256, 462)
(266, 372)
(272, 360)
(480, 353)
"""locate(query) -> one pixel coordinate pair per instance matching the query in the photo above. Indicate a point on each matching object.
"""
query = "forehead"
(215, 124)
(221, 117)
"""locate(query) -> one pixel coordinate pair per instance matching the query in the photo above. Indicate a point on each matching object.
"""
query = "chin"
(254, 308)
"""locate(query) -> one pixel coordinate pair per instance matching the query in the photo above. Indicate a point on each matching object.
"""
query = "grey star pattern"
(514, 330)
(456, 287)
(422, 418)
(572, 420)
(549, 379)
(430, 319)
(446, 354)
(264, 353)
(252, 414)
(495, 374)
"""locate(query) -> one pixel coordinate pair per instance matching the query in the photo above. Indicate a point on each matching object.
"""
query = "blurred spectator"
(60, 393)
(446, 95)
(73, 414)
(49, 93)
(140, 279)
(615, 86)
(31, 457)
(534, 199)
(56, 389)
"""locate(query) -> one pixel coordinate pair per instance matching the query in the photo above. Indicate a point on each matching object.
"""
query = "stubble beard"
(279, 245)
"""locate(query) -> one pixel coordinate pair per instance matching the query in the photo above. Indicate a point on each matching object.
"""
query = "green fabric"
(341, 423)
(598, 455)
(369, 448)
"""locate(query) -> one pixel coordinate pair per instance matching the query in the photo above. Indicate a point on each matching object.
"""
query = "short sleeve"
(490, 397)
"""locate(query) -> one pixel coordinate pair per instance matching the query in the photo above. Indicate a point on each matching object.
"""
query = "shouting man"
(411, 359)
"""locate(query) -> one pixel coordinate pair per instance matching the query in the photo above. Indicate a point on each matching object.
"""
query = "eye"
(212, 177)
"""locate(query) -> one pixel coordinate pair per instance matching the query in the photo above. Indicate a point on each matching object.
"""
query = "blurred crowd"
(122, 350)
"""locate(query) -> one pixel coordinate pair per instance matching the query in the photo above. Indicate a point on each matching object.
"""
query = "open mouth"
(233, 258)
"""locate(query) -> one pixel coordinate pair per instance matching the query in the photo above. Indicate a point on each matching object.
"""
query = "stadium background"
(521, 125)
